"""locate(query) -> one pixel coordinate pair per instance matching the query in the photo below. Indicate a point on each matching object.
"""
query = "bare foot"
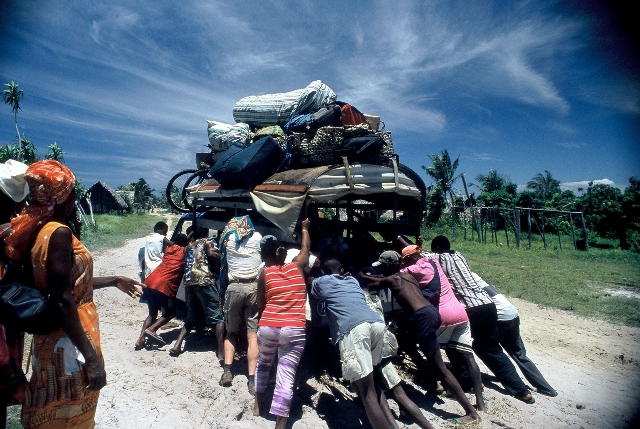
(466, 420)
(139, 345)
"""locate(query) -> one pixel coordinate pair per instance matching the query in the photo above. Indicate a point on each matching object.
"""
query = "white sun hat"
(12, 181)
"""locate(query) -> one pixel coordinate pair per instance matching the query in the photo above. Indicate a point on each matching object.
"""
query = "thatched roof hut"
(104, 199)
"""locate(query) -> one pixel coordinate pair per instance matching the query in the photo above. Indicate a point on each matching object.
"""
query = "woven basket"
(309, 150)
(387, 150)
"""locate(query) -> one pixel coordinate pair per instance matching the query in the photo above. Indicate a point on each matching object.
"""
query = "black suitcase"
(247, 166)
(363, 149)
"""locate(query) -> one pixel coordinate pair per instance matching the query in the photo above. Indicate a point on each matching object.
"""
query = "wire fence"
(518, 225)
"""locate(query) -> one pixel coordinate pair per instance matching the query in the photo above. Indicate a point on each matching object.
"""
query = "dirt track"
(593, 365)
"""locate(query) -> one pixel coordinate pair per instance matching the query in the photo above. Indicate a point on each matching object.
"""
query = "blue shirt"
(345, 302)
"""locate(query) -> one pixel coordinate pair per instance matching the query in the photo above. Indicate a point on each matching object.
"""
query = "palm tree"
(10, 151)
(443, 171)
(12, 96)
(28, 152)
(55, 152)
(142, 193)
(544, 185)
(493, 181)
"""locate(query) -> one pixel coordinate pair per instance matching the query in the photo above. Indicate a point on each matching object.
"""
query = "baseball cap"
(388, 257)
(410, 250)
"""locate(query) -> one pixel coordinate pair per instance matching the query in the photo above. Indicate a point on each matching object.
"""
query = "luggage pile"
(303, 128)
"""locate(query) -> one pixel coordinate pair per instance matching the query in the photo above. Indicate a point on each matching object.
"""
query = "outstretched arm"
(302, 258)
(376, 282)
(166, 243)
(129, 286)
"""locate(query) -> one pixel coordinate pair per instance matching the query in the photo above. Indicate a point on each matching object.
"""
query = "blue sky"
(125, 87)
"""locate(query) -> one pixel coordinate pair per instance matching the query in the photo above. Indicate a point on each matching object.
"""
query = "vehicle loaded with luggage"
(303, 154)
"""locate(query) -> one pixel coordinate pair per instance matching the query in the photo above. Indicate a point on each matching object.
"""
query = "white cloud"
(584, 184)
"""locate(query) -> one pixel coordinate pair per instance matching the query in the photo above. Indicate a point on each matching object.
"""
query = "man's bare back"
(405, 290)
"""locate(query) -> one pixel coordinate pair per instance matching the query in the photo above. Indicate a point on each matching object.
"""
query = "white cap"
(12, 181)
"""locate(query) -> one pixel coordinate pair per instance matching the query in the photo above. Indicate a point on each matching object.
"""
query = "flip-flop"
(458, 421)
(154, 338)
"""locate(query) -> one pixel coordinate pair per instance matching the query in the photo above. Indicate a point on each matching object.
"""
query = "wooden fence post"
(495, 226)
(506, 230)
(453, 222)
(573, 232)
(584, 232)
(529, 222)
(516, 218)
(558, 229)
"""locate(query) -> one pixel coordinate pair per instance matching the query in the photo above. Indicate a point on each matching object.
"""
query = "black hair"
(440, 244)
(331, 265)
(160, 226)
(200, 233)
(273, 249)
(181, 240)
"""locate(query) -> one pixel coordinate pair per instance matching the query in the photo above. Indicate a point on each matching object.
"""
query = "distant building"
(104, 199)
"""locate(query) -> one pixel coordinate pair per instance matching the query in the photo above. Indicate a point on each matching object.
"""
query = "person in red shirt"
(160, 292)
(281, 297)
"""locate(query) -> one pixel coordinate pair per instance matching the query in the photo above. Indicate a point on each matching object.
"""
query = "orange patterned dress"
(56, 397)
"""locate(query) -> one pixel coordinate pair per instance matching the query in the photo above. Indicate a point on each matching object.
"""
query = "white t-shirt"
(243, 259)
(506, 310)
(153, 252)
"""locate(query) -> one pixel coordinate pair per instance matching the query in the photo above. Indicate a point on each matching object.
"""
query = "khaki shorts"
(456, 337)
(361, 350)
(241, 307)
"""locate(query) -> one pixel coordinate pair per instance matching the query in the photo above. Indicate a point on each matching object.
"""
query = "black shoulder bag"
(24, 308)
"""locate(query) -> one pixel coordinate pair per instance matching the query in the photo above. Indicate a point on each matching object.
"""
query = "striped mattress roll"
(276, 109)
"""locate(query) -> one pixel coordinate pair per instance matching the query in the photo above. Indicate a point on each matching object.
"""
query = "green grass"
(112, 230)
(565, 279)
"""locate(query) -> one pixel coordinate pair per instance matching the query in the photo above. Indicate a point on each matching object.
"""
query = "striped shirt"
(286, 296)
(457, 269)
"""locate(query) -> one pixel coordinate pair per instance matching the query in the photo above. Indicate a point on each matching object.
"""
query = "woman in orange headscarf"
(67, 364)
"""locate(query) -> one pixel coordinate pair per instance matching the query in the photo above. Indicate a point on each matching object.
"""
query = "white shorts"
(361, 350)
(456, 337)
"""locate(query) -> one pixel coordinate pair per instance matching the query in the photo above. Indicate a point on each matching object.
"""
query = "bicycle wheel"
(175, 190)
(195, 179)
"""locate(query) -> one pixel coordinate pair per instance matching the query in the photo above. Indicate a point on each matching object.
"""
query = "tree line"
(24, 150)
(611, 215)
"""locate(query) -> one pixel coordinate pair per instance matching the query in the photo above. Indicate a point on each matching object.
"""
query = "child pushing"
(160, 293)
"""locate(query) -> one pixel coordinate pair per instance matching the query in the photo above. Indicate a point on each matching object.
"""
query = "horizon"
(126, 89)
